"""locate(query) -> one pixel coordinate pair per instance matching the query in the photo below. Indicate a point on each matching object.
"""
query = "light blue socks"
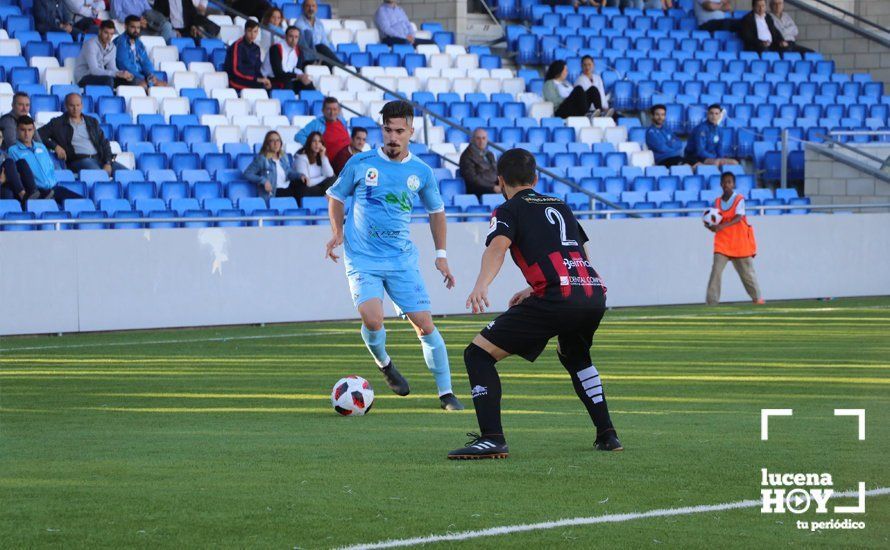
(436, 357)
(376, 342)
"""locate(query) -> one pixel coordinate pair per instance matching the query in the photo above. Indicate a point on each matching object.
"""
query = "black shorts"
(526, 328)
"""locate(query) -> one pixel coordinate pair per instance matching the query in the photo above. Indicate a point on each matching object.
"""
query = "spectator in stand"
(567, 100)
(394, 26)
(587, 79)
(97, 62)
(272, 18)
(757, 31)
(274, 171)
(786, 27)
(665, 146)
(35, 164)
(312, 160)
(11, 184)
(187, 19)
(54, 15)
(356, 146)
(711, 15)
(77, 139)
(244, 60)
(704, 144)
(478, 166)
(133, 57)
(153, 21)
(733, 242)
(87, 9)
(284, 64)
(313, 36)
(21, 106)
(330, 125)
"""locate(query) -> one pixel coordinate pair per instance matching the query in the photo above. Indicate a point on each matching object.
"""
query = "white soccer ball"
(712, 217)
(352, 396)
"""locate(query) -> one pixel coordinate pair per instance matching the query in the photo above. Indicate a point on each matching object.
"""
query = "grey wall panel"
(106, 280)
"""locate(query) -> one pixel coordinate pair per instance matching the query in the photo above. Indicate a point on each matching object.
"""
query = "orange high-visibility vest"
(736, 241)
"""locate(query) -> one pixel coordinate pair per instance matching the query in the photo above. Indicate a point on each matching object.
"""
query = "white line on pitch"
(610, 518)
(615, 317)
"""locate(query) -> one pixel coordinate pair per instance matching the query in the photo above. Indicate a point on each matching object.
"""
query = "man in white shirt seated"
(284, 63)
(757, 31)
(786, 27)
(590, 79)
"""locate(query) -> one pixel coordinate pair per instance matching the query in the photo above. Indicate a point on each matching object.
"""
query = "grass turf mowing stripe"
(573, 522)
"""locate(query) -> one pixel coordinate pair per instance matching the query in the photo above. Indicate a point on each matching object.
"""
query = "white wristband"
(440, 253)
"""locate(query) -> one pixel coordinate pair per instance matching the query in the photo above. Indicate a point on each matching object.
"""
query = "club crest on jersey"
(371, 177)
(413, 182)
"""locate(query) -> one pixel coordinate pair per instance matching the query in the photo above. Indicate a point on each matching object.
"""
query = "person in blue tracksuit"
(705, 145)
(667, 148)
(33, 160)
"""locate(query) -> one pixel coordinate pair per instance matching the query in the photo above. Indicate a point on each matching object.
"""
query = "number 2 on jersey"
(554, 217)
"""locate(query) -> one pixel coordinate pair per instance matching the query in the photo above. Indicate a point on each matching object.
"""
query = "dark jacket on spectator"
(479, 170)
(748, 33)
(244, 65)
(189, 12)
(60, 132)
(8, 124)
(49, 14)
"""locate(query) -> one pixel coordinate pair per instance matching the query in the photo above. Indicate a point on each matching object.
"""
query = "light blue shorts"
(405, 288)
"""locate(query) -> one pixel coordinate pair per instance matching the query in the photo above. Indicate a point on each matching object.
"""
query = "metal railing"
(264, 221)
(418, 107)
(808, 7)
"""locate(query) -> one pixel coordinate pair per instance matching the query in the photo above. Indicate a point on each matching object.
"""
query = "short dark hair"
(586, 57)
(397, 109)
(292, 28)
(20, 94)
(656, 107)
(715, 106)
(517, 167)
(107, 24)
(250, 24)
(24, 121)
(727, 175)
(358, 129)
(328, 100)
(132, 19)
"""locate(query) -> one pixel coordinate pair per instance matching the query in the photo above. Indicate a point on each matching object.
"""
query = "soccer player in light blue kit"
(378, 252)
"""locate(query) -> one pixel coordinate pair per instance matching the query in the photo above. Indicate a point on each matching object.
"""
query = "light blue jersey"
(376, 235)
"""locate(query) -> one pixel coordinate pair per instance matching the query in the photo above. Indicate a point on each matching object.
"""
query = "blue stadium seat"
(130, 133)
(463, 201)
(37, 206)
(774, 211)
(76, 206)
(110, 206)
(214, 205)
(18, 216)
(184, 161)
(173, 190)
(314, 203)
(237, 190)
(170, 148)
(103, 190)
(136, 190)
(162, 133)
(151, 161)
(207, 190)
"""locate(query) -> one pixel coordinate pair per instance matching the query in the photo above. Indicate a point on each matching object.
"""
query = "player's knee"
(372, 322)
(476, 358)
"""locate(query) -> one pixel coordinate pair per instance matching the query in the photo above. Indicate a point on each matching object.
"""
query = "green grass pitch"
(225, 437)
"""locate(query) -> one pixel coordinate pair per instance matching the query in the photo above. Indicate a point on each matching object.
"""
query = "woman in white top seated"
(590, 79)
(274, 171)
(569, 100)
(312, 160)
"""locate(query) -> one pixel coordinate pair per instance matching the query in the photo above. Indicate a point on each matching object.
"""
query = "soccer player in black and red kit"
(565, 299)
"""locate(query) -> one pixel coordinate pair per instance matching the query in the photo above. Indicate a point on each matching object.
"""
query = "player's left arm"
(435, 207)
(439, 229)
(492, 261)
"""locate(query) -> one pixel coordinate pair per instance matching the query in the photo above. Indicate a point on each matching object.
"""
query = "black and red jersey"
(548, 246)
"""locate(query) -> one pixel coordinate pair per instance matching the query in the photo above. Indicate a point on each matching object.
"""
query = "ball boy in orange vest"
(733, 241)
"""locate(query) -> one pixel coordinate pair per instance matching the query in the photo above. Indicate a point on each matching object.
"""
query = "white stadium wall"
(74, 281)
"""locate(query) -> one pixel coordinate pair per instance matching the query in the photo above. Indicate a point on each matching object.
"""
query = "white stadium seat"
(578, 122)
(616, 135)
(452, 73)
(143, 106)
(287, 133)
(407, 85)
(222, 94)
(62, 75)
(628, 147)
(603, 122)
(201, 67)
(543, 109)
(230, 33)
(275, 121)
(10, 46)
(151, 42)
(174, 106)
(162, 92)
(478, 74)
(354, 24)
(467, 61)
(44, 63)
(253, 94)
(425, 73)
(266, 107)
(215, 80)
(212, 121)
(439, 61)
(489, 85)
(463, 86)
(355, 84)
(236, 107)
(226, 134)
(316, 71)
(513, 86)
(365, 37)
(428, 50)
(328, 84)
(160, 54)
(186, 79)
(255, 134)
(340, 36)
(45, 116)
(642, 159)
(438, 85)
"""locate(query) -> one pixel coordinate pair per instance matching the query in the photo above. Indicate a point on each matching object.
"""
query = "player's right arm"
(337, 195)
(492, 260)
